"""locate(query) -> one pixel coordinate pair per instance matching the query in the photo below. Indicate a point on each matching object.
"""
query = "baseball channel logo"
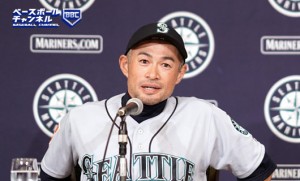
(198, 39)
(287, 7)
(43, 18)
(32, 17)
(71, 16)
(57, 96)
(282, 109)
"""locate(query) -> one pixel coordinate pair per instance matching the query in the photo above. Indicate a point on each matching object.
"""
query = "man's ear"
(181, 73)
(123, 62)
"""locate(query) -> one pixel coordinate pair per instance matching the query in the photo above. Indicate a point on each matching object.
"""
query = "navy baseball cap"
(157, 31)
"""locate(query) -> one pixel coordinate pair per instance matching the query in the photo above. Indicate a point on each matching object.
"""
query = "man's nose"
(153, 72)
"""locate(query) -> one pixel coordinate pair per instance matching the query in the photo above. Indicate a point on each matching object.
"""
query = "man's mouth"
(150, 87)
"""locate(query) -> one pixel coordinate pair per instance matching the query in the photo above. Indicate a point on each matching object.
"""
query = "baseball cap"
(157, 31)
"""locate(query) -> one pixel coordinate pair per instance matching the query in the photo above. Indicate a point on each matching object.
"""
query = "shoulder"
(96, 105)
(201, 108)
(193, 109)
(192, 100)
(194, 103)
(90, 109)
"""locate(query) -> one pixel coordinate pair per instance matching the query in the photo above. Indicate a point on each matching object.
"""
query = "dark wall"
(250, 52)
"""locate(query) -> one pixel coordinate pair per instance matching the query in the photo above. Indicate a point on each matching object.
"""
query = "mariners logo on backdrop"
(198, 39)
(287, 7)
(55, 43)
(280, 45)
(69, 4)
(286, 172)
(57, 96)
(282, 109)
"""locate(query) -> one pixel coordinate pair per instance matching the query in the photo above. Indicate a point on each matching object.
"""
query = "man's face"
(153, 69)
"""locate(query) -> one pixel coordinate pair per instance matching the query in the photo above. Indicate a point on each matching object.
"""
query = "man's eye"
(166, 65)
(143, 61)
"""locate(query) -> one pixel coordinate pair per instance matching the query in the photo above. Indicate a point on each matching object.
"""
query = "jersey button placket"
(140, 133)
(140, 141)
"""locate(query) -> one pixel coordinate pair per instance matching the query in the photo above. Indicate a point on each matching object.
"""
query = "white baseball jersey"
(197, 135)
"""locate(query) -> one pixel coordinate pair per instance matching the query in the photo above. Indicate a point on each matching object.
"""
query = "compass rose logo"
(287, 7)
(282, 109)
(198, 39)
(57, 96)
(67, 4)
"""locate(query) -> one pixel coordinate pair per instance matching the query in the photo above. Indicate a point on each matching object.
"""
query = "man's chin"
(150, 100)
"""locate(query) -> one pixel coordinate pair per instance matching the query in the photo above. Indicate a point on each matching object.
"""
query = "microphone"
(134, 106)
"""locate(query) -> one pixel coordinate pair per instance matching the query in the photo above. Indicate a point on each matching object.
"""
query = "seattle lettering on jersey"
(146, 166)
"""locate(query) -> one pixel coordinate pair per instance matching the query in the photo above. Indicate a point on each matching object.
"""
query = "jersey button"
(140, 131)
(140, 147)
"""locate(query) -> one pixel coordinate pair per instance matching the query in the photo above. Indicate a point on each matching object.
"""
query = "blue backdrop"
(243, 55)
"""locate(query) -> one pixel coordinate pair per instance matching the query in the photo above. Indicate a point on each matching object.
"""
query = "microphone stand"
(122, 149)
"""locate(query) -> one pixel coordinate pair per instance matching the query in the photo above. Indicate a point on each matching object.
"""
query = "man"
(174, 138)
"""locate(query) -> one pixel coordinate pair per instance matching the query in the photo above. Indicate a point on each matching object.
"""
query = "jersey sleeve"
(234, 148)
(265, 169)
(58, 160)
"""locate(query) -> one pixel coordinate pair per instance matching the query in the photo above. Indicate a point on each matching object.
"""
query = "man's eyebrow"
(149, 55)
(145, 53)
(169, 58)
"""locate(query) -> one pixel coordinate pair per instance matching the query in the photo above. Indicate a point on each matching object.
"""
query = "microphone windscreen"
(139, 104)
